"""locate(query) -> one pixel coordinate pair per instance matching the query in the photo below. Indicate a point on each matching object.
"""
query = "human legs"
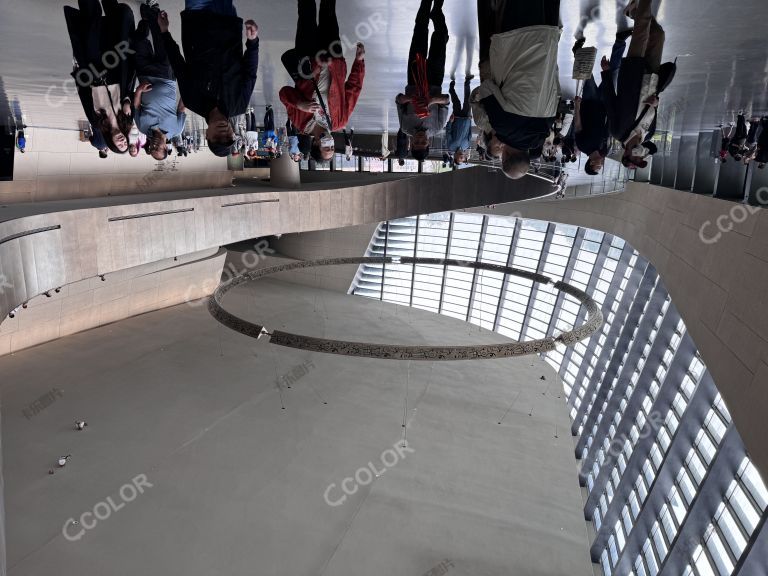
(752, 135)
(523, 13)
(655, 49)
(740, 136)
(307, 30)
(486, 24)
(641, 33)
(224, 7)
(120, 28)
(420, 39)
(328, 28)
(269, 120)
(143, 55)
(438, 45)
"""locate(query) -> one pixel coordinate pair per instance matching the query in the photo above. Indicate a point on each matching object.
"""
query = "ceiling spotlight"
(24, 305)
(11, 315)
(57, 290)
(63, 460)
(103, 279)
(80, 424)
(47, 294)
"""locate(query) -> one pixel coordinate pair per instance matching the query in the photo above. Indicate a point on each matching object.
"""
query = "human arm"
(577, 114)
(354, 84)
(250, 61)
(402, 99)
(172, 49)
(293, 99)
(442, 100)
(143, 87)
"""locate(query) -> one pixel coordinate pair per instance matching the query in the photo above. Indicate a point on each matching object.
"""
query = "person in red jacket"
(323, 97)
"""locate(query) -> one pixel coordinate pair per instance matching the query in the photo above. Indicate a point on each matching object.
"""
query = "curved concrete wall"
(55, 246)
(713, 258)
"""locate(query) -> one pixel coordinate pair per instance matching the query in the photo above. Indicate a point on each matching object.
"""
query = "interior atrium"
(383, 287)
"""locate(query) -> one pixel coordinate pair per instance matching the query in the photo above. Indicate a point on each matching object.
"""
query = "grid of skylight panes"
(613, 382)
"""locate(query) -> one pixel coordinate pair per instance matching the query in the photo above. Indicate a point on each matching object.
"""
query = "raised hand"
(251, 30)
(162, 21)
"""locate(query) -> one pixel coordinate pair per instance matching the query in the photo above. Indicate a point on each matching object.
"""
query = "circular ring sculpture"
(593, 323)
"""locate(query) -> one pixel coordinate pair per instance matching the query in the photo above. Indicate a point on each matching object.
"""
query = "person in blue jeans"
(590, 124)
(458, 131)
(216, 76)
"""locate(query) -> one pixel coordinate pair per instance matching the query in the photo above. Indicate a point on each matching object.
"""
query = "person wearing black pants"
(104, 68)
(151, 58)
(516, 104)
(739, 138)
(423, 109)
(761, 152)
(323, 98)
(459, 128)
(216, 75)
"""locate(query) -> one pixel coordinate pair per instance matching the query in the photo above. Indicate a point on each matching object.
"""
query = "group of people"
(517, 107)
(745, 141)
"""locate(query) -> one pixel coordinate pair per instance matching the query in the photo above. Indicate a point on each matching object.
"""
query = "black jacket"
(214, 71)
(521, 132)
(593, 136)
(622, 105)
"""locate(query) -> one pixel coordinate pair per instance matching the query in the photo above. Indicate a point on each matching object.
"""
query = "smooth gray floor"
(238, 482)
(723, 60)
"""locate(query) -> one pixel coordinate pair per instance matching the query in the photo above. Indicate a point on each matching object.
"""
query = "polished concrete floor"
(723, 55)
(238, 484)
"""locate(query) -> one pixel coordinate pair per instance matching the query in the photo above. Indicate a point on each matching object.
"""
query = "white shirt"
(645, 117)
(107, 98)
(524, 75)
(252, 139)
(324, 87)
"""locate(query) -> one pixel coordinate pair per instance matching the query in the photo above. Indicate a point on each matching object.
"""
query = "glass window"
(719, 554)
(730, 530)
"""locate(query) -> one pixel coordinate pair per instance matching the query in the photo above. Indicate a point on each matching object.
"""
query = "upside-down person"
(516, 104)
(215, 76)
(323, 96)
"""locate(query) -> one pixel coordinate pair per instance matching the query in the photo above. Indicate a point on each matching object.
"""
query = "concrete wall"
(718, 281)
(342, 243)
(80, 240)
(89, 303)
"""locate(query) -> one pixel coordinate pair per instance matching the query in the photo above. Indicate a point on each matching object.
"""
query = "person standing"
(215, 76)
(458, 131)
(516, 104)
(155, 111)
(268, 135)
(423, 109)
(21, 141)
(99, 36)
(591, 127)
(251, 139)
(323, 98)
(739, 139)
(761, 152)
(349, 149)
(632, 105)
